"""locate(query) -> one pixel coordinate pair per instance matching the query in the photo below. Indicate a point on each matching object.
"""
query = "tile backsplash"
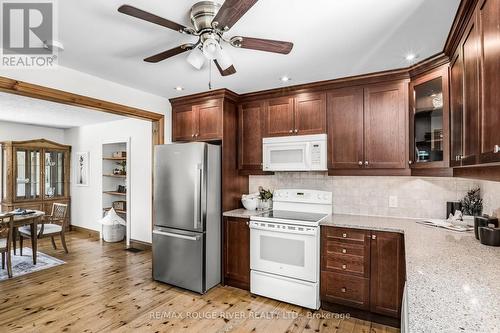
(417, 197)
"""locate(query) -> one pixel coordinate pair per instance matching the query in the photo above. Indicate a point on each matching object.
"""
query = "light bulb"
(196, 58)
(224, 60)
(211, 48)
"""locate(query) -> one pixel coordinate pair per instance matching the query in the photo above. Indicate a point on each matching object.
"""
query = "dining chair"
(51, 226)
(6, 227)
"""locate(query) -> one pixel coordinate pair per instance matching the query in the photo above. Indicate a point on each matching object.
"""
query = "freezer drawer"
(178, 258)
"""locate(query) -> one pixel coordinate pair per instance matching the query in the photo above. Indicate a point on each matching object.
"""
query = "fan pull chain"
(209, 75)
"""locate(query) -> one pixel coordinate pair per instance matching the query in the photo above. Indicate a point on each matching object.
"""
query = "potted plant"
(266, 198)
(472, 205)
(123, 165)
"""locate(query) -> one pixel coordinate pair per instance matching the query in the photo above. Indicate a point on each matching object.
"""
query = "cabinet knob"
(360, 163)
(374, 236)
(247, 222)
(496, 149)
(344, 251)
(344, 266)
(343, 290)
(296, 131)
(344, 235)
(192, 135)
(290, 131)
(366, 162)
(410, 162)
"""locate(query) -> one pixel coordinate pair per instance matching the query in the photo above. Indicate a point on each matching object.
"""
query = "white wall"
(87, 201)
(19, 132)
(418, 197)
(70, 80)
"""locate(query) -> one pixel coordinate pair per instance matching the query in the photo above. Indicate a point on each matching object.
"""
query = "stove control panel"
(303, 196)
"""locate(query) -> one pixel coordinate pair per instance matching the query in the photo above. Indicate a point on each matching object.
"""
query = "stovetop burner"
(290, 216)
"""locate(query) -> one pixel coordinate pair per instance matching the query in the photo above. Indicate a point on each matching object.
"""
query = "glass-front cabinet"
(35, 174)
(429, 120)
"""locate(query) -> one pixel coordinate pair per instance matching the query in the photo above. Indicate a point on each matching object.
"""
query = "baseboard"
(140, 244)
(90, 233)
(361, 314)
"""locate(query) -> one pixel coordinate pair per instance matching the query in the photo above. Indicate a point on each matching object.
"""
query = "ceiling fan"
(210, 22)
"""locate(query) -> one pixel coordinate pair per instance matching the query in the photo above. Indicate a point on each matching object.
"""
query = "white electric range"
(284, 247)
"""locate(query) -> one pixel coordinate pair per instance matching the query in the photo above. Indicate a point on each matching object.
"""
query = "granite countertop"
(243, 213)
(453, 281)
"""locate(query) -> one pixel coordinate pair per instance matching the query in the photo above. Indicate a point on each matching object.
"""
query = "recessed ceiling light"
(179, 88)
(285, 78)
(411, 57)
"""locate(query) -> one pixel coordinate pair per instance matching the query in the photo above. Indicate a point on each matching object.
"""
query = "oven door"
(284, 249)
(292, 156)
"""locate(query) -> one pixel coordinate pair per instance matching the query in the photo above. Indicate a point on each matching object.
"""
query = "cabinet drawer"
(346, 264)
(346, 235)
(345, 289)
(335, 247)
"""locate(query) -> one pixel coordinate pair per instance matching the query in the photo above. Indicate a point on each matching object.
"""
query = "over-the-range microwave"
(295, 153)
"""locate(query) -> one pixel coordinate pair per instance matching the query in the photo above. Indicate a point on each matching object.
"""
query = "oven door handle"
(311, 232)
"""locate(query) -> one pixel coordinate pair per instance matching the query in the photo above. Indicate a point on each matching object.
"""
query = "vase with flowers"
(266, 199)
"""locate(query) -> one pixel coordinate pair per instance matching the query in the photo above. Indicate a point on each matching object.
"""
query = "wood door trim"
(464, 13)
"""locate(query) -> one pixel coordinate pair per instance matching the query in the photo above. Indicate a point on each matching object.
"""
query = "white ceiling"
(333, 38)
(25, 110)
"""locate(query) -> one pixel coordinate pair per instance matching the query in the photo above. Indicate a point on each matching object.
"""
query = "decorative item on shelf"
(266, 199)
(472, 205)
(123, 165)
(121, 189)
(119, 154)
(250, 201)
(116, 171)
(119, 205)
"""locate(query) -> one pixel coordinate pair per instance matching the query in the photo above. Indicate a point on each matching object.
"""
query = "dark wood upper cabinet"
(489, 26)
(456, 108)
(429, 120)
(295, 115)
(470, 51)
(385, 122)
(345, 128)
(183, 123)
(192, 122)
(209, 120)
(387, 273)
(278, 118)
(250, 116)
(237, 252)
(310, 114)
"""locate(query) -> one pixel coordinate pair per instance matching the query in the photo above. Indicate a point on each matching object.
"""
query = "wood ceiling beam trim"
(59, 96)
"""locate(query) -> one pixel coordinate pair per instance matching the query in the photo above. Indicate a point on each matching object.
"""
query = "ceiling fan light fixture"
(224, 60)
(211, 48)
(196, 58)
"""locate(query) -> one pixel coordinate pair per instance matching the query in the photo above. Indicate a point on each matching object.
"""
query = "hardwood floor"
(103, 288)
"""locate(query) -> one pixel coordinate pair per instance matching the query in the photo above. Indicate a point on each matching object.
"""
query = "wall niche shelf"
(116, 174)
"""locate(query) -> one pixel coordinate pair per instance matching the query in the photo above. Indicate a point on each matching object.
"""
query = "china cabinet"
(35, 174)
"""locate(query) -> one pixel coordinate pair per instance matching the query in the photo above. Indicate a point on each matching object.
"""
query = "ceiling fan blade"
(169, 53)
(143, 15)
(228, 71)
(260, 44)
(231, 11)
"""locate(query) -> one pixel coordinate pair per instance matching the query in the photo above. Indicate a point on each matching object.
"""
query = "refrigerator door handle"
(171, 234)
(197, 196)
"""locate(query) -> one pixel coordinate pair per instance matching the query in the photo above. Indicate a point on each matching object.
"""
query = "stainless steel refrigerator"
(187, 215)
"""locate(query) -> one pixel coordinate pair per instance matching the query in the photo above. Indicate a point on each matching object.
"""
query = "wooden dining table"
(32, 221)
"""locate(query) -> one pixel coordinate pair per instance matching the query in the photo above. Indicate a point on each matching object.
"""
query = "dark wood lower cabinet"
(236, 252)
(362, 269)
(387, 275)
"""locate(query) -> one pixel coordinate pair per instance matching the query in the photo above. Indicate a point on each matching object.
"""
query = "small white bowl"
(250, 203)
